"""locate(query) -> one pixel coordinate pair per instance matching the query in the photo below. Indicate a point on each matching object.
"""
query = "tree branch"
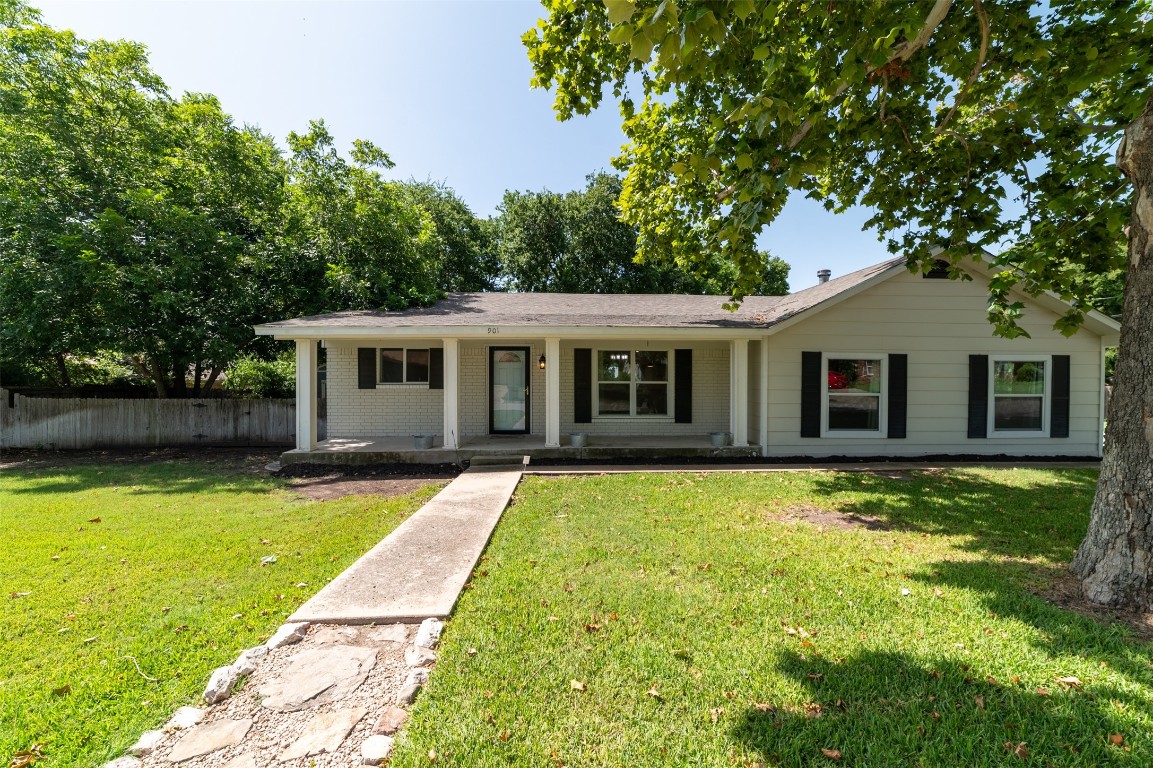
(982, 53)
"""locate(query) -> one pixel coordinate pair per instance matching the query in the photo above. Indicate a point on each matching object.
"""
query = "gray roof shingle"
(591, 310)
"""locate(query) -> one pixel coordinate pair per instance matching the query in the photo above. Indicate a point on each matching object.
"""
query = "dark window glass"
(417, 365)
(653, 399)
(854, 413)
(652, 366)
(614, 366)
(613, 399)
(391, 366)
(1018, 414)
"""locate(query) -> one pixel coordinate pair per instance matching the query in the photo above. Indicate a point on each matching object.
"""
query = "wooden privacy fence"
(61, 423)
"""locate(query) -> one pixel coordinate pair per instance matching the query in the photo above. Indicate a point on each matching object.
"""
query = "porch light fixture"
(540, 362)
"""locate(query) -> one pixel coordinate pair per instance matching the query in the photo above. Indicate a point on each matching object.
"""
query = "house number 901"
(494, 330)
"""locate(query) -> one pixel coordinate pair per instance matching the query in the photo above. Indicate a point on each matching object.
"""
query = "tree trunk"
(1114, 561)
(198, 371)
(62, 370)
(180, 378)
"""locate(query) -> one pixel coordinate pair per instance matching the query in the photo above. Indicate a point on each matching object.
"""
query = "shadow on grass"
(186, 476)
(895, 709)
(1044, 519)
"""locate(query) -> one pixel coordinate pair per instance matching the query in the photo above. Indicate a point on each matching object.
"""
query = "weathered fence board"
(62, 423)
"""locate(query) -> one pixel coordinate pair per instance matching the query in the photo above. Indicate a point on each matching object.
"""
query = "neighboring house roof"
(475, 313)
(600, 310)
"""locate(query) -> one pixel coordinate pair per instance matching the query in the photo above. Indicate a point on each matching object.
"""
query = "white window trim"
(882, 430)
(404, 382)
(1045, 397)
(632, 415)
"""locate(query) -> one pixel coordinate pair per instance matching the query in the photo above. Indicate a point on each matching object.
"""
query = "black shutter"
(978, 395)
(683, 386)
(810, 394)
(436, 368)
(1059, 402)
(582, 386)
(898, 394)
(366, 368)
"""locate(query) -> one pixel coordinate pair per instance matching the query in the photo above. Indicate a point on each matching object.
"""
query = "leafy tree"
(462, 245)
(577, 243)
(966, 126)
(378, 251)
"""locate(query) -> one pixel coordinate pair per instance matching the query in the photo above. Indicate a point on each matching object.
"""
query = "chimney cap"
(823, 275)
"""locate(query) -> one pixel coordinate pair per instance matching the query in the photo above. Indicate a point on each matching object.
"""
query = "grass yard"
(125, 584)
(705, 620)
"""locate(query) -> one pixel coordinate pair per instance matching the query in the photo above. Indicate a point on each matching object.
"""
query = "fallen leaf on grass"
(1042, 691)
(715, 713)
(26, 757)
(813, 710)
(16, 595)
(1070, 680)
(980, 702)
(654, 693)
(832, 754)
(592, 627)
(763, 707)
(95, 520)
(1116, 739)
(1020, 750)
(576, 685)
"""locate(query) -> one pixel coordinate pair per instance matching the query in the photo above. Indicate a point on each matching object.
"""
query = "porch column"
(552, 392)
(764, 425)
(305, 394)
(739, 391)
(452, 393)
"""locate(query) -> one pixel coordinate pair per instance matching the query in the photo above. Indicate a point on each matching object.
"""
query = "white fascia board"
(832, 301)
(496, 332)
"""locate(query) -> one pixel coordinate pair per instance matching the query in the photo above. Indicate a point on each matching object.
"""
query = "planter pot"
(578, 439)
(422, 441)
(720, 439)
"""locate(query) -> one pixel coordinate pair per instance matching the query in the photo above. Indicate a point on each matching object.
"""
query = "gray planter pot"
(578, 439)
(422, 441)
(720, 439)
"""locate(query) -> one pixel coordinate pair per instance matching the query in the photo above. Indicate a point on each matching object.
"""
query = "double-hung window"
(1019, 393)
(632, 383)
(854, 395)
(404, 366)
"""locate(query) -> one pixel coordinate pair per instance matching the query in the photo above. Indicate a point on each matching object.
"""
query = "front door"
(508, 403)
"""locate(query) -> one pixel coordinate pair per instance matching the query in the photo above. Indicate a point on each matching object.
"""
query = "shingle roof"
(591, 310)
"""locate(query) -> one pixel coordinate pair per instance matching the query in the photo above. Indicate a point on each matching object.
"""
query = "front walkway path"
(419, 569)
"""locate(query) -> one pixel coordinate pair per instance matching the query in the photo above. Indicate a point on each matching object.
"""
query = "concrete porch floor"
(402, 450)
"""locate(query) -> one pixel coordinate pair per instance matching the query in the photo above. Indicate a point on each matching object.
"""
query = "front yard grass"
(125, 585)
(707, 620)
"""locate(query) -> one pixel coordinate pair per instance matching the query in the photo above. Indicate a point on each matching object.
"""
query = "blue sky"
(442, 86)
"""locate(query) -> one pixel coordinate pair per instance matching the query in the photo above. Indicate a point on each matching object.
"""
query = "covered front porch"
(408, 450)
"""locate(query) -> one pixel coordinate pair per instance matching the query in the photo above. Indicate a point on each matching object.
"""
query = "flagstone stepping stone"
(220, 684)
(317, 676)
(390, 721)
(395, 633)
(185, 717)
(419, 657)
(325, 732)
(375, 750)
(204, 739)
(124, 762)
(148, 741)
(241, 761)
(428, 635)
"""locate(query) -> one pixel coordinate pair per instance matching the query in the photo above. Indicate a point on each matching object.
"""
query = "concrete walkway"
(419, 569)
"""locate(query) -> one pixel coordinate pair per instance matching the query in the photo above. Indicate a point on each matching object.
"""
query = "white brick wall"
(391, 410)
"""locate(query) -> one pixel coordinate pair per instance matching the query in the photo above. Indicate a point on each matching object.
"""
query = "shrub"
(262, 378)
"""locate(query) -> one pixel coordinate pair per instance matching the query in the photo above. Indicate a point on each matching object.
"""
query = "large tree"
(967, 126)
(576, 242)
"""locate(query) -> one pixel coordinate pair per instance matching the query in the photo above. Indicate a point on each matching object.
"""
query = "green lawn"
(166, 584)
(684, 620)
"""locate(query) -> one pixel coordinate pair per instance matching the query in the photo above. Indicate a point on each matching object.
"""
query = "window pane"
(653, 399)
(854, 412)
(652, 366)
(859, 375)
(614, 398)
(392, 366)
(1012, 414)
(614, 366)
(417, 365)
(1018, 378)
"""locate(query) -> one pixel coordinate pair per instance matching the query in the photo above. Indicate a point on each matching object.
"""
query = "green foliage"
(576, 242)
(462, 247)
(254, 377)
(727, 619)
(168, 578)
(964, 127)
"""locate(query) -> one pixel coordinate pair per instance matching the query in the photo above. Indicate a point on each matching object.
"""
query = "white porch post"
(739, 391)
(764, 414)
(552, 392)
(305, 394)
(452, 393)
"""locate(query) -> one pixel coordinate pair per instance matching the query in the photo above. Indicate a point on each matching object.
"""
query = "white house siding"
(938, 324)
(710, 390)
(391, 410)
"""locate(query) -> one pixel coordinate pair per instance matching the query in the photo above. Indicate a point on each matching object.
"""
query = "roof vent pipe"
(823, 275)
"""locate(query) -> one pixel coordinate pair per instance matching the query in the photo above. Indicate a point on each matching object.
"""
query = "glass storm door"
(508, 402)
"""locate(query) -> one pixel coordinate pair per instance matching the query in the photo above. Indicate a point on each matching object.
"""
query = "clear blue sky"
(442, 86)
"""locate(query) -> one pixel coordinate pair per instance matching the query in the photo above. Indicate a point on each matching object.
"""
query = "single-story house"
(880, 362)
